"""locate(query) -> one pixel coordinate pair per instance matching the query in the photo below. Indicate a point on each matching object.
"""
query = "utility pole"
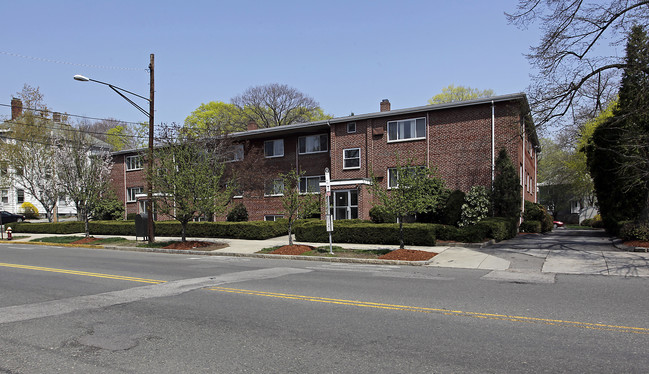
(150, 230)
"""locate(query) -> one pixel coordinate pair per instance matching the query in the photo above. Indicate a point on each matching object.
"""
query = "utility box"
(141, 221)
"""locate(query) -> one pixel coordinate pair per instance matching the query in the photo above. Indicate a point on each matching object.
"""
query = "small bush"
(531, 226)
(472, 234)
(108, 209)
(131, 216)
(635, 231)
(537, 212)
(452, 211)
(356, 231)
(378, 214)
(29, 210)
(586, 222)
(475, 207)
(500, 228)
(239, 213)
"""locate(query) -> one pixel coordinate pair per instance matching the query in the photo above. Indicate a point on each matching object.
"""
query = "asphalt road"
(74, 310)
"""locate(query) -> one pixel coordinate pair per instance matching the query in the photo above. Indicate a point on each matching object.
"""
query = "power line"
(49, 60)
(75, 115)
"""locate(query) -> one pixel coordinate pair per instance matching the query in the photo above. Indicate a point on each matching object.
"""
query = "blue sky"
(347, 55)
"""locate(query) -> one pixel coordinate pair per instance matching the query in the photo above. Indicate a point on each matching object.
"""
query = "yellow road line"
(504, 317)
(84, 273)
(356, 303)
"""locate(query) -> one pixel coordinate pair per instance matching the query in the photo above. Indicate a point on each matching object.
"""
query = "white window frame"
(345, 158)
(20, 195)
(394, 170)
(278, 184)
(4, 196)
(319, 142)
(351, 130)
(133, 163)
(319, 178)
(131, 192)
(278, 141)
(272, 217)
(413, 129)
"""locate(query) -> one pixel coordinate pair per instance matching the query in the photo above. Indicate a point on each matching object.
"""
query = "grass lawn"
(72, 239)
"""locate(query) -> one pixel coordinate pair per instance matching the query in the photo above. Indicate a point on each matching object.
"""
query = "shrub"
(537, 212)
(29, 210)
(475, 207)
(586, 222)
(356, 231)
(635, 231)
(239, 213)
(451, 213)
(378, 214)
(500, 228)
(531, 226)
(131, 216)
(108, 209)
(472, 234)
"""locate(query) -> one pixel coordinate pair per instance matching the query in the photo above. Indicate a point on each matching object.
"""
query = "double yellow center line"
(361, 304)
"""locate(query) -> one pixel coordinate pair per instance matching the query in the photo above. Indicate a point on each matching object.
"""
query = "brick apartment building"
(460, 139)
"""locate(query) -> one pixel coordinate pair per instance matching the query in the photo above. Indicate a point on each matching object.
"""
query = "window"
(3, 169)
(272, 217)
(133, 163)
(351, 127)
(131, 192)
(393, 175)
(234, 153)
(313, 144)
(407, 129)
(274, 188)
(352, 158)
(5, 196)
(20, 196)
(311, 184)
(274, 148)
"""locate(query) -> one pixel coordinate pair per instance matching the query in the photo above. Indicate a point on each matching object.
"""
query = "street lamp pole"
(121, 92)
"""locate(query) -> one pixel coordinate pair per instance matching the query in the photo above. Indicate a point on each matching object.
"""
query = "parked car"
(557, 224)
(10, 217)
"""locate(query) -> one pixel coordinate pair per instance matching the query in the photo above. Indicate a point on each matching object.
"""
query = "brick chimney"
(56, 117)
(385, 105)
(16, 108)
(252, 125)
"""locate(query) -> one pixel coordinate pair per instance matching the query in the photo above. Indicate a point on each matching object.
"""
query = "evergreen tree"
(618, 155)
(507, 188)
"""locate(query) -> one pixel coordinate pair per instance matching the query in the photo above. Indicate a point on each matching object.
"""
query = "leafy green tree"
(187, 176)
(454, 93)
(108, 208)
(506, 195)
(418, 190)
(618, 154)
(296, 205)
(277, 105)
(216, 117)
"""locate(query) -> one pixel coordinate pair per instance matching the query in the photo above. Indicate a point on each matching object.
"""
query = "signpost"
(328, 217)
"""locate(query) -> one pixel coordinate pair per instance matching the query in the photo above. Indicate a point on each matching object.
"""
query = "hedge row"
(357, 231)
(531, 226)
(258, 230)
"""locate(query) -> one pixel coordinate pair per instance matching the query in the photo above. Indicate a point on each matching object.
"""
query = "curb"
(619, 244)
(54, 244)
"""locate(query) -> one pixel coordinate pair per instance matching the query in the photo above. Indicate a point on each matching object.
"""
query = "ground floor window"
(5, 196)
(272, 217)
(344, 204)
(131, 192)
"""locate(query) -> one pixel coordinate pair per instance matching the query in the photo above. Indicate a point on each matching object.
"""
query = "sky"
(347, 55)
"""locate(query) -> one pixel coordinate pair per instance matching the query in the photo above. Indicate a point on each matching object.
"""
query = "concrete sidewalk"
(511, 264)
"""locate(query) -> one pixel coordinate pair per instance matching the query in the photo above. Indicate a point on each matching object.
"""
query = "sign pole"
(328, 217)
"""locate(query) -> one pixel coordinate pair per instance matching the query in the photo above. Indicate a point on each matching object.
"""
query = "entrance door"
(345, 204)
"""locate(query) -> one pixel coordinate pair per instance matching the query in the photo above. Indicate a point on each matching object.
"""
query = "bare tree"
(574, 77)
(84, 171)
(277, 105)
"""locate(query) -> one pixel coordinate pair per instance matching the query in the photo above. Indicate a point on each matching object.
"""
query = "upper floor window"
(313, 144)
(352, 158)
(407, 129)
(133, 163)
(274, 187)
(5, 196)
(20, 196)
(274, 148)
(234, 153)
(351, 127)
(311, 184)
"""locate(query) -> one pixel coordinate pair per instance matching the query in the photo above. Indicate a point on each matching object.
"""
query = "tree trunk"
(401, 245)
(85, 220)
(290, 229)
(183, 224)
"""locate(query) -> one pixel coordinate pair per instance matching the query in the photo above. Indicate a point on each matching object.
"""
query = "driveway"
(568, 251)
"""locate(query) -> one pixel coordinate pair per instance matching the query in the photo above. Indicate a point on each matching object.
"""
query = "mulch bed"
(196, 245)
(408, 255)
(294, 250)
(637, 243)
(87, 240)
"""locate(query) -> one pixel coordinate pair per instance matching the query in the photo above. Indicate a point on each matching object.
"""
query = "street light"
(121, 92)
